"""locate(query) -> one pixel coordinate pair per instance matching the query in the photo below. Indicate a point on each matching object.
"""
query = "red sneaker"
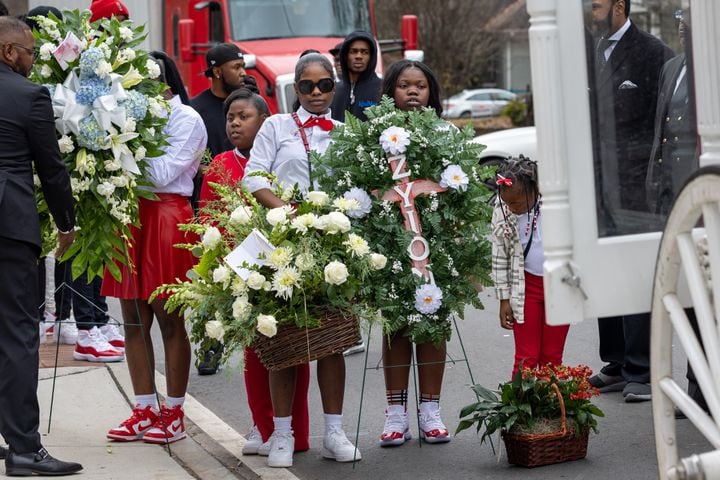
(135, 427)
(168, 428)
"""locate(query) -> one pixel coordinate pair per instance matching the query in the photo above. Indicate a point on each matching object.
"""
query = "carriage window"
(643, 110)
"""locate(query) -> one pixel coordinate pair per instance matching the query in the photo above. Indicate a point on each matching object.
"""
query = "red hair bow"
(504, 181)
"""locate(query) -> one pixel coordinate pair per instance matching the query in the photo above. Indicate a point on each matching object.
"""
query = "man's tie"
(602, 45)
(321, 122)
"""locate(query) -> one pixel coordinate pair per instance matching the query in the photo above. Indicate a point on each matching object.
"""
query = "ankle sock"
(171, 402)
(283, 424)
(396, 397)
(333, 421)
(149, 400)
(428, 397)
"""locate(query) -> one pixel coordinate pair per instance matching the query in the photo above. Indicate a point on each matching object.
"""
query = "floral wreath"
(415, 191)
(109, 116)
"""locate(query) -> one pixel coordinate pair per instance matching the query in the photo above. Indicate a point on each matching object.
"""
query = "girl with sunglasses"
(412, 85)
(517, 266)
(282, 147)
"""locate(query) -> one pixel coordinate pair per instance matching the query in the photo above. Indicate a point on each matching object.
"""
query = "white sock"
(427, 407)
(333, 421)
(143, 401)
(283, 424)
(171, 402)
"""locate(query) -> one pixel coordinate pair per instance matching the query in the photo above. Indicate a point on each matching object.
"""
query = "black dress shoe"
(3, 453)
(39, 463)
(211, 360)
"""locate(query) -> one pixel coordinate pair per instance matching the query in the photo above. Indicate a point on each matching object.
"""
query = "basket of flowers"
(288, 281)
(544, 414)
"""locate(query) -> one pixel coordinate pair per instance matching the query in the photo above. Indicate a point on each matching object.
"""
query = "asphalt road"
(623, 449)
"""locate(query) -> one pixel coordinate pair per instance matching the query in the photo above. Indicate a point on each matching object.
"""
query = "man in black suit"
(27, 136)
(624, 87)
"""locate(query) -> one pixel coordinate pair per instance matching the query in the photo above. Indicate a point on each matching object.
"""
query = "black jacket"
(27, 135)
(368, 87)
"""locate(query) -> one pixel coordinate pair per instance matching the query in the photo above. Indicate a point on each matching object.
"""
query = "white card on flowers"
(248, 253)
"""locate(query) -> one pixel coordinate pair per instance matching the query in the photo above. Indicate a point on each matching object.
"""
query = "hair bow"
(504, 181)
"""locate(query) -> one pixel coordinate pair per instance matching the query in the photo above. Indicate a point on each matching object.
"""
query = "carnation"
(364, 202)
(211, 238)
(428, 298)
(394, 140)
(454, 177)
(104, 69)
(66, 144)
(336, 273)
(267, 325)
(152, 68)
(112, 165)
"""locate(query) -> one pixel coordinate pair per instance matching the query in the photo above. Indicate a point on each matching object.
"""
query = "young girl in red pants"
(517, 266)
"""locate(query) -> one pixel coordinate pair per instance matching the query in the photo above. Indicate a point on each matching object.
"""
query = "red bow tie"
(321, 122)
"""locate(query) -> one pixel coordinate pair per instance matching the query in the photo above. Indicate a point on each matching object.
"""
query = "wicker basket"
(534, 450)
(293, 345)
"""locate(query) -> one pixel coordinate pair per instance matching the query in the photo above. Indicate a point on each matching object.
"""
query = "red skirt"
(154, 260)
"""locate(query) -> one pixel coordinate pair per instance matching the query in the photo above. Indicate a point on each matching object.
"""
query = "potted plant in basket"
(296, 268)
(544, 414)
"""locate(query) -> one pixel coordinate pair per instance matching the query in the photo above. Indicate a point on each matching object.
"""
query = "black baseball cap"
(220, 54)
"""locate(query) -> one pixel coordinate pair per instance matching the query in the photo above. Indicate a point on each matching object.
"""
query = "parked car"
(483, 102)
(508, 143)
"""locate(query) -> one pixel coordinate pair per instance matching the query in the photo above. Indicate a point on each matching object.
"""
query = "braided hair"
(520, 171)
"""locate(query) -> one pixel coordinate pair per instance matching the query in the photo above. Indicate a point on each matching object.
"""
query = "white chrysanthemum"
(304, 262)
(334, 222)
(238, 287)
(363, 200)
(279, 258)
(241, 215)
(378, 261)
(256, 281)
(140, 153)
(112, 165)
(215, 329)
(129, 126)
(304, 222)
(46, 71)
(153, 69)
(104, 69)
(278, 216)
(428, 298)
(267, 325)
(336, 273)
(221, 275)
(241, 308)
(344, 204)
(357, 246)
(126, 34)
(318, 198)
(66, 144)
(284, 281)
(106, 189)
(454, 177)
(46, 51)
(211, 238)
(394, 140)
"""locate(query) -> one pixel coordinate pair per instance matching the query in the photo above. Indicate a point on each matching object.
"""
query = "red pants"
(257, 387)
(536, 342)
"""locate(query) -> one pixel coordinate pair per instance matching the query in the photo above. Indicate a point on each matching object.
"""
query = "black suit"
(626, 97)
(27, 136)
(623, 102)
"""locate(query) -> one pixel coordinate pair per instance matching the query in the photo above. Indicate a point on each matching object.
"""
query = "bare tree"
(454, 34)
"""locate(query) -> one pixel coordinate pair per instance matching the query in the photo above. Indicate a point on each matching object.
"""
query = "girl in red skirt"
(245, 112)
(154, 261)
(517, 266)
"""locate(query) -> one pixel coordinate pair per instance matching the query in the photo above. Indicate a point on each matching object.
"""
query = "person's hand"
(507, 319)
(64, 242)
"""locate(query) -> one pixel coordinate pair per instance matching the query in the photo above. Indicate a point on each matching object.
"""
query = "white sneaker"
(41, 330)
(66, 332)
(397, 427)
(264, 449)
(359, 347)
(113, 336)
(336, 446)
(92, 346)
(432, 428)
(253, 442)
(281, 451)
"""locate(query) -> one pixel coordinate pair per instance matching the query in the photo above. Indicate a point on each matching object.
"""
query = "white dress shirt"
(536, 256)
(615, 38)
(279, 149)
(174, 171)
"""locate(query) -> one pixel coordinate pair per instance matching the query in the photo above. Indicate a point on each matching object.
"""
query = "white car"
(483, 102)
(508, 143)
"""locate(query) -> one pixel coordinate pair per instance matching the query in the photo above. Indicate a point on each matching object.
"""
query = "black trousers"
(625, 346)
(19, 342)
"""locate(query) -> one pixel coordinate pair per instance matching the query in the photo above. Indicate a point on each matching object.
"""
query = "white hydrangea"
(153, 69)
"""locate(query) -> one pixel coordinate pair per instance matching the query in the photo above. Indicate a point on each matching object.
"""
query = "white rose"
(46, 71)
(66, 144)
(334, 222)
(215, 329)
(267, 325)
(211, 238)
(46, 51)
(318, 198)
(336, 273)
(378, 261)
(221, 274)
(256, 281)
(278, 216)
(241, 215)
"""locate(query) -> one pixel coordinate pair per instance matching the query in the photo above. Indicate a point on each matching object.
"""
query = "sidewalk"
(89, 398)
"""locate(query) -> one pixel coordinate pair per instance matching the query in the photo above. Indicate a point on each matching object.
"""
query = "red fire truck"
(270, 33)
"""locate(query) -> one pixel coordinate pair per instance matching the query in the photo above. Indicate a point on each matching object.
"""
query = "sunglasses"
(325, 85)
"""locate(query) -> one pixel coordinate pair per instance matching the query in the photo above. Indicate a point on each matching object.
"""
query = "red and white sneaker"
(135, 427)
(92, 346)
(169, 427)
(113, 336)
(432, 428)
(397, 427)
